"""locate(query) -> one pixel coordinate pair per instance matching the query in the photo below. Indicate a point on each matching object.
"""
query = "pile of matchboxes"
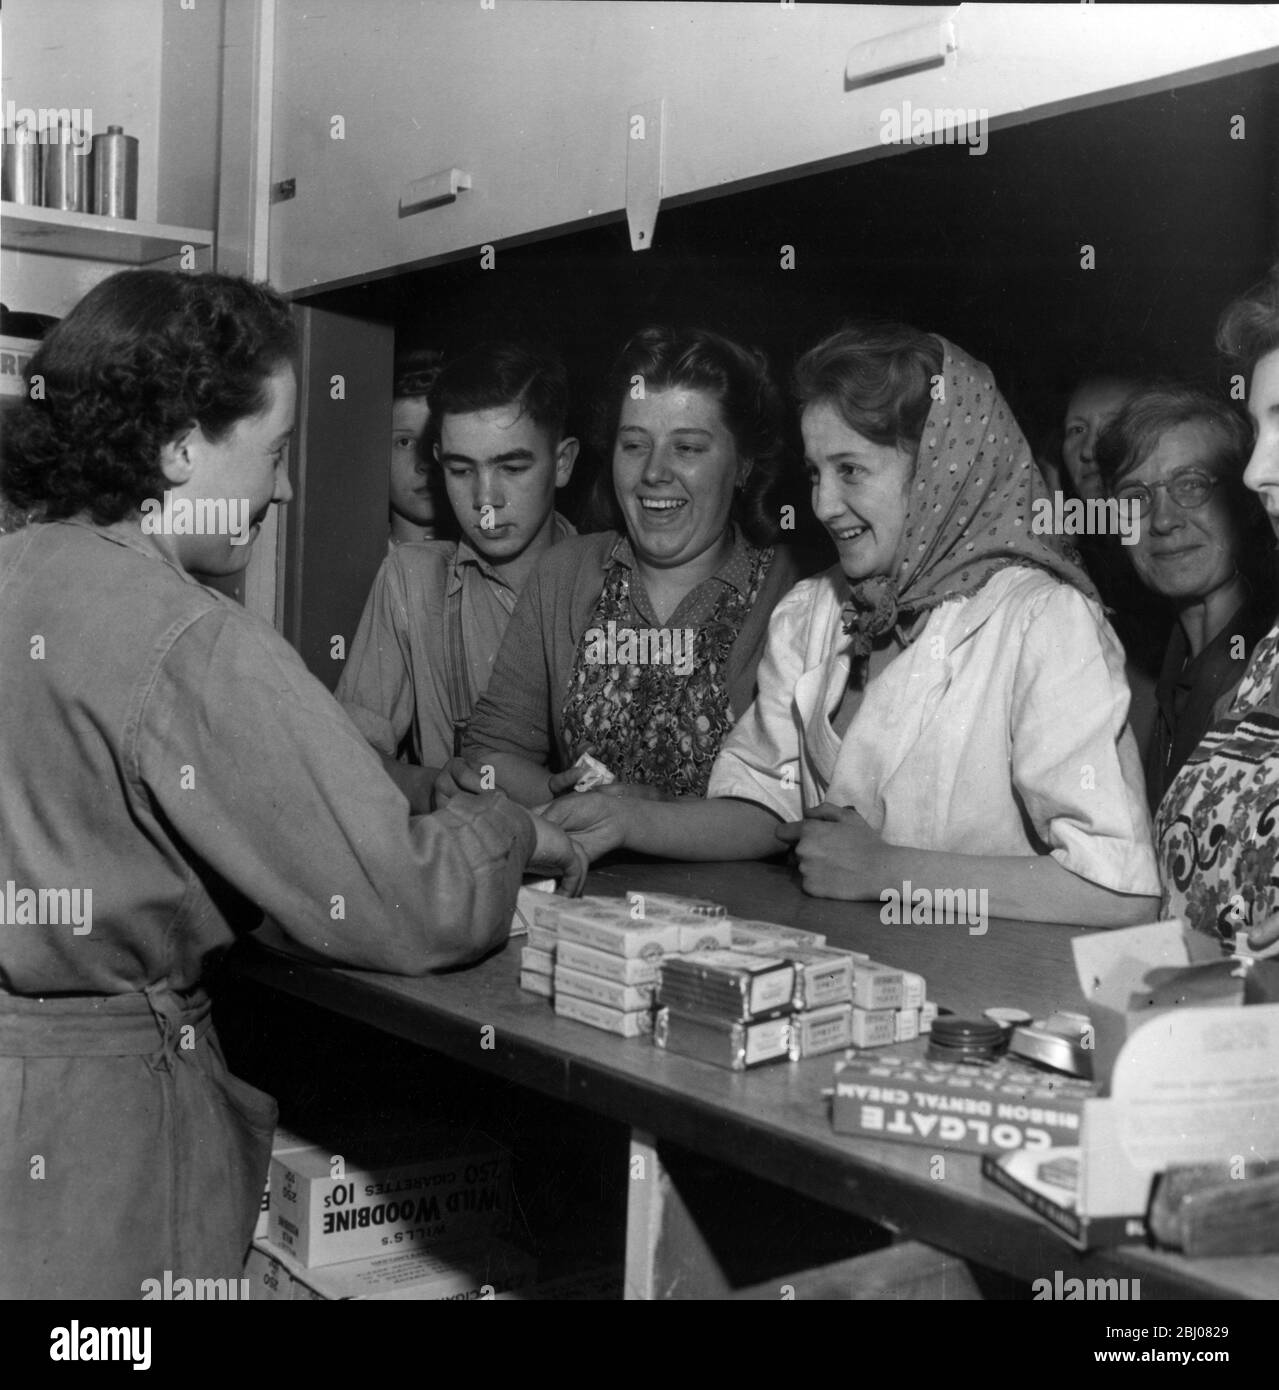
(721, 989)
(411, 1214)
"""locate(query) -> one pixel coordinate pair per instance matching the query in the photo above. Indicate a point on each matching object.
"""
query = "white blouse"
(1001, 730)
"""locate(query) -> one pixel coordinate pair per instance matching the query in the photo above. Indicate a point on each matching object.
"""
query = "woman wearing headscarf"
(947, 704)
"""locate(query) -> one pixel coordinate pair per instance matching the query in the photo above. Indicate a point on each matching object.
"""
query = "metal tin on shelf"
(21, 167)
(115, 173)
(64, 172)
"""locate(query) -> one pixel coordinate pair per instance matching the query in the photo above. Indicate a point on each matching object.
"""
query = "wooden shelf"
(118, 239)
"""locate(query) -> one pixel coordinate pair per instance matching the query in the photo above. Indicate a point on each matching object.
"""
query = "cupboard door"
(336, 525)
(532, 102)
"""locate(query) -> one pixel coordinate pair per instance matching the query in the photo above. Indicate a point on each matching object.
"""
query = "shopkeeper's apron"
(126, 1147)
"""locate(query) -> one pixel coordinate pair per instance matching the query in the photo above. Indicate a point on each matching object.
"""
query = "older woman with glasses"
(1175, 456)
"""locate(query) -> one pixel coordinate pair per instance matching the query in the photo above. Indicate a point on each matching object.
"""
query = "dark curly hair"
(737, 377)
(877, 376)
(141, 358)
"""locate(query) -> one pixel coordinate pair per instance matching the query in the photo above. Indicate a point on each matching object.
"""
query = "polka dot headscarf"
(968, 514)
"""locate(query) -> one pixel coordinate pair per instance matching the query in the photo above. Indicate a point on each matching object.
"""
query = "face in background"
(1185, 554)
(1262, 473)
(501, 470)
(1094, 404)
(675, 466)
(249, 463)
(410, 491)
(860, 491)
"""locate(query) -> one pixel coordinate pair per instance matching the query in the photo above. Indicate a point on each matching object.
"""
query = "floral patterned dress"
(1216, 827)
(661, 722)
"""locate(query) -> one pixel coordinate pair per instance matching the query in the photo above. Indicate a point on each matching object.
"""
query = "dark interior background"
(983, 249)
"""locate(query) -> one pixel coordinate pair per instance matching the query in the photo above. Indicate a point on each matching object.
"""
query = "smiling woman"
(169, 764)
(692, 425)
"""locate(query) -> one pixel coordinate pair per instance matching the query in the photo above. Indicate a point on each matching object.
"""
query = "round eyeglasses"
(1188, 490)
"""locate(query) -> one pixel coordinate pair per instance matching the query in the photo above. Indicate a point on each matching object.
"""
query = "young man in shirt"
(437, 611)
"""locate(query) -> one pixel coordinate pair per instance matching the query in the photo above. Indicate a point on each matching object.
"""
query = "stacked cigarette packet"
(597, 957)
(783, 992)
(726, 990)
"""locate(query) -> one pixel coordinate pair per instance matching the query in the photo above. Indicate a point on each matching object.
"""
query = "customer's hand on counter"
(836, 851)
(558, 855)
(596, 822)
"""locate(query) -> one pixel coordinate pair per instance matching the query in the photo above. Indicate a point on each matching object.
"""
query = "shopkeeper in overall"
(169, 771)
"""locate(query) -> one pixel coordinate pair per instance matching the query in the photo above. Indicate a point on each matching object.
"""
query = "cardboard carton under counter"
(488, 1269)
(1183, 1083)
(461, 1192)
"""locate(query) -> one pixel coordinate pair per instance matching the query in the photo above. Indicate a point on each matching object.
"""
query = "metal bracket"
(645, 169)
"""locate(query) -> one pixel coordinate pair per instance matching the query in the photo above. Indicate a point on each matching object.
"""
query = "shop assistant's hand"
(457, 775)
(557, 855)
(837, 852)
(596, 822)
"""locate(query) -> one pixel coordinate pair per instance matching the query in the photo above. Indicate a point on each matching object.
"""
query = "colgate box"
(900, 1094)
(326, 1208)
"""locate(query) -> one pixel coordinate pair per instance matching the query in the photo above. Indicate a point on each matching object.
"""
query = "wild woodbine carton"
(376, 1199)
